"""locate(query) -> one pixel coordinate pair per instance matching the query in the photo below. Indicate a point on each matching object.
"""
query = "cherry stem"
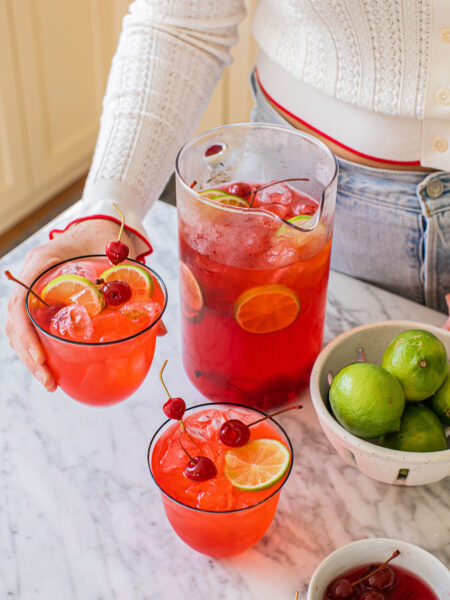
(183, 427)
(278, 412)
(296, 596)
(263, 187)
(12, 278)
(394, 555)
(123, 220)
(161, 379)
(179, 441)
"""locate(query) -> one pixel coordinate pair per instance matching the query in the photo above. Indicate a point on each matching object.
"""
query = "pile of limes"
(405, 402)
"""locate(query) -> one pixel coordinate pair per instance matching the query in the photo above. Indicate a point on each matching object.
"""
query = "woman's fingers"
(22, 335)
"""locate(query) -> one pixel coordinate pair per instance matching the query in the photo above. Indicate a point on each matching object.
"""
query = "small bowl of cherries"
(380, 569)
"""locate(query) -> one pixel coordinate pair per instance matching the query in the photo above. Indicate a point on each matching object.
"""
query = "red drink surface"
(216, 533)
(84, 364)
(229, 255)
(407, 586)
(113, 323)
(218, 494)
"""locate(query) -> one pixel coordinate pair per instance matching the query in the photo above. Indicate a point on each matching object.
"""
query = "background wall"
(54, 63)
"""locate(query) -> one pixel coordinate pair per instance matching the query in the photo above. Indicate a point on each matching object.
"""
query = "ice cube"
(82, 269)
(72, 322)
(141, 310)
(279, 193)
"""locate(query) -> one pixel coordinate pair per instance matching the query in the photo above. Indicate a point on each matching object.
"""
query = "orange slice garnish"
(191, 294)
(266, 308)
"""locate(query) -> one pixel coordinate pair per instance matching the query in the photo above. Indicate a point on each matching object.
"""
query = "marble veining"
(80, 518)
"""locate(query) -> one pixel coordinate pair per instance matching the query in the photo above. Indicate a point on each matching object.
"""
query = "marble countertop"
(80, 518)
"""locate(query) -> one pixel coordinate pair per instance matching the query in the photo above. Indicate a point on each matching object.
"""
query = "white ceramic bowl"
(382, 464)
(377, 550)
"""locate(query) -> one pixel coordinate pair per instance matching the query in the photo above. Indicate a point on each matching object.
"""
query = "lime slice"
(191, 293)
(257, 465)
(266, 308)
(74, 289)
(224, 198)
(212, 194)
(137, 277)
(283, 230)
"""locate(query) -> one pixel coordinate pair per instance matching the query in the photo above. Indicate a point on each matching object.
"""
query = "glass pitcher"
(254, 264)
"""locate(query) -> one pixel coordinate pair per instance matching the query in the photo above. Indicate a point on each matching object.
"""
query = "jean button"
(435, 188)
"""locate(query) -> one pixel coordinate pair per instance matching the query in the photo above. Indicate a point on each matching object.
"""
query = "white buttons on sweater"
(440, 144)
(443, 96)
(435, 188)
(445, 34)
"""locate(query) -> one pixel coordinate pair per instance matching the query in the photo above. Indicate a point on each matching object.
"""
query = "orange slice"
(191, 293)
(266, 308)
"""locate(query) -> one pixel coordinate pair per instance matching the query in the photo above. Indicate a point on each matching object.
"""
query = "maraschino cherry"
(236, 433)
(343, 589)
(117, 251)
(116, 292)
(199, 468)
(174, 408)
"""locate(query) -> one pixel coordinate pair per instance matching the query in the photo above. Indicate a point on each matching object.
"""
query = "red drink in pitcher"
(255, 216)
(253, 305)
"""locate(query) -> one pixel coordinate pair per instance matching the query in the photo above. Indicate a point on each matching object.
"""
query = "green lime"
(137, 277)
(440, 402)
(419, 361)
(257, 465)
(420, 431)
(367, 400)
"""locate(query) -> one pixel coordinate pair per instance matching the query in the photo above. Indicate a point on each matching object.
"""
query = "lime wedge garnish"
(283, 230)
(224, 198)
(138, 278)
(212, 194)
(74, 289)
(257, 465)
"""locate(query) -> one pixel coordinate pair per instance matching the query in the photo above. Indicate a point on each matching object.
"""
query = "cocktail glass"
(220, 533)
(235, 258)
(98, 373)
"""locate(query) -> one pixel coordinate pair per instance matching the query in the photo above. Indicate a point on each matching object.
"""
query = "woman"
(368, 77)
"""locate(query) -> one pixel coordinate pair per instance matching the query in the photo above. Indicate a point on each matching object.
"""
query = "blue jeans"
(392, 228)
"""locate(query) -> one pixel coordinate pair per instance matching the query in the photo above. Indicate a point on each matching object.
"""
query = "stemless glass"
(253, 284)
(100, 373)
(220, 533)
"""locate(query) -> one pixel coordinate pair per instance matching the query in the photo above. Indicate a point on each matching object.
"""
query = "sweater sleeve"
(168, 61)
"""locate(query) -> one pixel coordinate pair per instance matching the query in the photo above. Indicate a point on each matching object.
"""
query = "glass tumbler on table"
(255, 215)
(213, 517)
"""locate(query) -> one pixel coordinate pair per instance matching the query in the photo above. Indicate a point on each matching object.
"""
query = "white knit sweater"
(384, 56)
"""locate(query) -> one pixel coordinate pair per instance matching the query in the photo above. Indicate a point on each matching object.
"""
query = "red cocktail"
(99, 353)
(214, 517)
(254, 264)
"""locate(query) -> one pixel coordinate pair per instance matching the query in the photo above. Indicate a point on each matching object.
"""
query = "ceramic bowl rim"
(367, 542)
(440, 456)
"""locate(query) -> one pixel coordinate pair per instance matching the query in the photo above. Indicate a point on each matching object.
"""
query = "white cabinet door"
(61, 56)
(14, 176)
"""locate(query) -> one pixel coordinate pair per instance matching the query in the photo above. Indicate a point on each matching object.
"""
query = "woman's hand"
(85, 237)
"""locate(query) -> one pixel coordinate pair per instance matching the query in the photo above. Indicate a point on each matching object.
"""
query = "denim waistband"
(432, 189)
